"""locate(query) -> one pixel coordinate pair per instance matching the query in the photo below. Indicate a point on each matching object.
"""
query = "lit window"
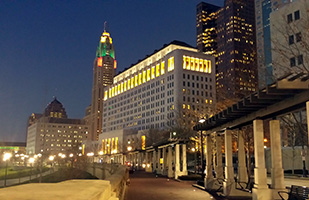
(129, 85)
(170, 66)
(125, 86)
(148, 74)
(139, 78)
(105, 95)
(136, 80)
(110, 92)
(116, 91)
(157, 70)
(184, 106)
(162, 67)
(132, 82)
(144, 76)
(153, 72)
(121, 87)
(197, 64)
(118, 88)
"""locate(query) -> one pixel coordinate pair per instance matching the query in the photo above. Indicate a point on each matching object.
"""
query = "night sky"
(47, 49)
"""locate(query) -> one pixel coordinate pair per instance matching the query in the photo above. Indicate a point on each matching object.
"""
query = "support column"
(242, 169)
(277, 173)
(148, 163)
(170, 172)
(177, 164)
(260, 190)
(184, 160)
(159, 169)
(164, 172)
(209, 179)
(154, 158)
(307, 108)
(229, 187)
(229, 182)
(219, 167)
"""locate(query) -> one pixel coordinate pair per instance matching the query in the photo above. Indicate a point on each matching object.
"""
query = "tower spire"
(105, 26)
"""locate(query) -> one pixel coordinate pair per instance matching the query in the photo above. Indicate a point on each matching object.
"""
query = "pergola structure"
(288, 94)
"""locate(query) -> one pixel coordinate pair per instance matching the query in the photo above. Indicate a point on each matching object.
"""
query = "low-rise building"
(53, 132)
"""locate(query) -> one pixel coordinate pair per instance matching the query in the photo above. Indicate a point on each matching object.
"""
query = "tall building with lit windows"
(235, 52)
(104, 69)
(206, 27)
(175, 81)
(53, 132)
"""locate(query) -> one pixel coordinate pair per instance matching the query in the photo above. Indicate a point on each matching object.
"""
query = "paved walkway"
(145, 186)
(293, 181)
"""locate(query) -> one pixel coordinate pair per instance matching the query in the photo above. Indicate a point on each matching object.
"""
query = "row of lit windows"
(109, 146)
(196, 64)
(138, 79)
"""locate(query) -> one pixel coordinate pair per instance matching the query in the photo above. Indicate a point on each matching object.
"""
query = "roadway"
(147, 186)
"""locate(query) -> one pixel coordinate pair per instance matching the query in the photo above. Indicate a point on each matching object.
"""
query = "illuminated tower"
(104, 70)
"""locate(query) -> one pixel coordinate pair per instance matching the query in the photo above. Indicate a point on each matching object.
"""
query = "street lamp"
(129, 148)
(6, 158)
(202, 120)
(31, 161)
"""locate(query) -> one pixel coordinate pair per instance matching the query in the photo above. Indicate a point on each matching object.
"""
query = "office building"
(263, 8)
(174, 82)
(206, 27)
(235, 50)
(53, 132)
(289, 38)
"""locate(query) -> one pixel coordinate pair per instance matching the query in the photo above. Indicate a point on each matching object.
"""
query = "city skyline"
(48, 50)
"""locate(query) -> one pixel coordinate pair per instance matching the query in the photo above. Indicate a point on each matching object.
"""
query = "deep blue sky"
(47, 49)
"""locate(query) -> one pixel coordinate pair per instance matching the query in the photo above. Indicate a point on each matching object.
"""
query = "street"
(147, 186)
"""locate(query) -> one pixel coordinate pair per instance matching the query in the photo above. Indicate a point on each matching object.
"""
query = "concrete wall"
(72, 189)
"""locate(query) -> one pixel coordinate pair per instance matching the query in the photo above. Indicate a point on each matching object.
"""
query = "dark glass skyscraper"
(235, 49)
(206, 27)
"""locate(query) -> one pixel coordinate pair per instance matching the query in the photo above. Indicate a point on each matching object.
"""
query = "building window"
(298, 37)
(291, 39)
(290, 18)
(300, 60)
(297, 15)
(292, 62)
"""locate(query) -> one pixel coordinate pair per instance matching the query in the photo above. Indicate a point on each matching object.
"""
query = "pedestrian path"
(148, 186)
(15, 181)
(293, 181)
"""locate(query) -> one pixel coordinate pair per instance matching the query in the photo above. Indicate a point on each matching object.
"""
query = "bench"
(245, 186)
(296, 193)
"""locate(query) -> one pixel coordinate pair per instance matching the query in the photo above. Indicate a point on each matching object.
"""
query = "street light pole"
(6, 172)
(202, 120)
(202, 156)
(6, 158)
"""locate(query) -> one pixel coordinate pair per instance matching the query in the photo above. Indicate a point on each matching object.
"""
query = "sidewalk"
(293, 180)
(15, 181)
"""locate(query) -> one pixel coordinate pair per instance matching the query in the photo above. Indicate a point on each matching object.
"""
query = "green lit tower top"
(106, 46)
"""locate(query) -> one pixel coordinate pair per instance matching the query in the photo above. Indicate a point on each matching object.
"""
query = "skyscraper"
(235, 48)
(104, 69)
(206, 27)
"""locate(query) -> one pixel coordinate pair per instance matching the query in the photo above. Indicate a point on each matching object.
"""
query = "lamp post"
(51, 159)
(6, 158)
(31, 161)
(202, 150)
